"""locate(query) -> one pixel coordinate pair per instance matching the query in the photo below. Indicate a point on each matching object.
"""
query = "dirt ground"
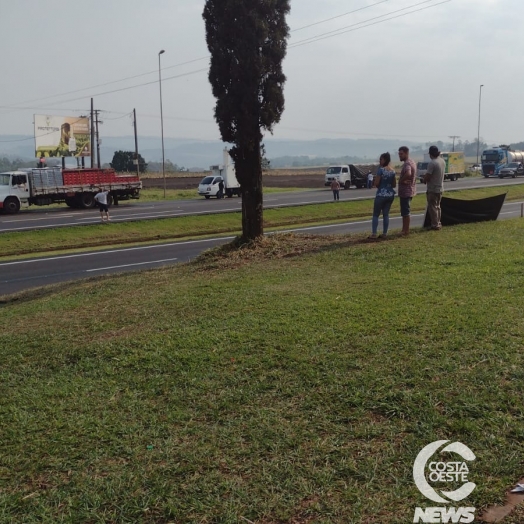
(301, 180)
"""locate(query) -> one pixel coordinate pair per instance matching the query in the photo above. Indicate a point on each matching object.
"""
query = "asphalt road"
(42, 218)
(24, 274)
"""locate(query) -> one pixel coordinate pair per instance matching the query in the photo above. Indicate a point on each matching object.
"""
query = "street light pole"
(478, 132)
(162, 121)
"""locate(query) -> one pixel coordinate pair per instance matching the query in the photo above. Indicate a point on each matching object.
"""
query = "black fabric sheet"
(456, 211)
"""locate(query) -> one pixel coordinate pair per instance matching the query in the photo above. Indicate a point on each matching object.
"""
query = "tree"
(247, 40)
(124, 161)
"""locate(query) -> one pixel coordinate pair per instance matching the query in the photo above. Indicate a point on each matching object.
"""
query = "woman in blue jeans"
(385, 182)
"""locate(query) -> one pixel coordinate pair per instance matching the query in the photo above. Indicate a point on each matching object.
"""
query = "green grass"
(156, 194)
(294, 383)
(69, 238)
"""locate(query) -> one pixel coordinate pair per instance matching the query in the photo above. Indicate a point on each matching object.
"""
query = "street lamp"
(162, 121)
(478, 132)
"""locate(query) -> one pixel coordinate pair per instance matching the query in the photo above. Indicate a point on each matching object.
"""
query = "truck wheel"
(11, 206)
(71, 202)
(207, 197)
(86, 200)
(347, 184)
(109, 199)
(229, 193)
(452, 178)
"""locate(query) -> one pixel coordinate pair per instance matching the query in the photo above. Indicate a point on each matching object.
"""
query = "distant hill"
(192, 153)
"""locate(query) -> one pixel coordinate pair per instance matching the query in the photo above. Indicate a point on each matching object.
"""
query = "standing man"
(101, 200)
(407, 187)
(220, 193)
(434, 178)
(370, 180)
(335, 187)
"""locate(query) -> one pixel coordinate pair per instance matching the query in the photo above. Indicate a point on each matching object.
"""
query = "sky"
(415, 77)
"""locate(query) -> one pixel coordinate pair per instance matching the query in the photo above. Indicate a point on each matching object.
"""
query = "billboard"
(57, 136)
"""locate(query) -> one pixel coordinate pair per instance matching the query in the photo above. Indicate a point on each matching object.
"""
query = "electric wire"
(347, 29)
(297, 44)
(322, 36)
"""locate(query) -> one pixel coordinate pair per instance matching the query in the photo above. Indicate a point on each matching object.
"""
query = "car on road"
(513, 170)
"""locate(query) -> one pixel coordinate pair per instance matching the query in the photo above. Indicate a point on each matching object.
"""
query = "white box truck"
(225, 173)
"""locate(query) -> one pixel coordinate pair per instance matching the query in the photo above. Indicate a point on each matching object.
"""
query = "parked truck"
(74, 187)
(225, 173)
(455, 165)
(498, 158)
(350, 174)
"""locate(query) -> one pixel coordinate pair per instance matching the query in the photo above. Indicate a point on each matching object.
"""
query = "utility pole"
(97, 138)
(453, 137)
(92, 136)
(136, 144)
(478, 132)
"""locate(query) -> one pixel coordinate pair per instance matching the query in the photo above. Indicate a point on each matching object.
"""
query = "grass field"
(153, 194)
(67, 238)
(294, 382)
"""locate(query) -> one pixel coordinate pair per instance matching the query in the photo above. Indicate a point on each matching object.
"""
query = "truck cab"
(340, 173)
(209, 186)
(14, 191)
(225, 173)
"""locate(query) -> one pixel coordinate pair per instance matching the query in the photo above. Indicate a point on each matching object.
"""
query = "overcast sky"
(415, 77)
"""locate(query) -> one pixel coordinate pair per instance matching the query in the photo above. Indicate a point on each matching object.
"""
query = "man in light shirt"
(101, 200)
(434, 179)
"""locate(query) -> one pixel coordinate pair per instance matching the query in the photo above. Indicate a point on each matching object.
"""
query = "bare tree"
(247, 40)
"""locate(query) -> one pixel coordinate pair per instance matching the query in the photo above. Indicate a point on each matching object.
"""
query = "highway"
(44, 218)
(20, 275)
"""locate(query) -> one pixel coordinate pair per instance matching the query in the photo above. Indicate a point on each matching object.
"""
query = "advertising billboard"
(58, 136)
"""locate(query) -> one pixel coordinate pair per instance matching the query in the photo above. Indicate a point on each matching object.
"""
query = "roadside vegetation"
(293, 381)
(157, 194)
(186, 227)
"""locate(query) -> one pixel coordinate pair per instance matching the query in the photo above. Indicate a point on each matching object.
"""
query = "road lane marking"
(94, 253)
(130, 265)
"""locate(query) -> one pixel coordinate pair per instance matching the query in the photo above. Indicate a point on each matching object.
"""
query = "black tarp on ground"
(455, 211)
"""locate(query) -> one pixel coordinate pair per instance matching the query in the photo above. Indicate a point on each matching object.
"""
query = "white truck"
(75, 187)
(225, 173)
(350, 175)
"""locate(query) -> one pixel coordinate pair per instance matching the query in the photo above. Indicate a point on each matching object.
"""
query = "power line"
(14, 109)
(346, 29)
(338, 16)
(300, 43)
(102, 85)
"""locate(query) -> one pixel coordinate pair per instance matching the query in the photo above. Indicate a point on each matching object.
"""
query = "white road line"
(94, 253)
(334, 225)
(36, 219)
(130, 265)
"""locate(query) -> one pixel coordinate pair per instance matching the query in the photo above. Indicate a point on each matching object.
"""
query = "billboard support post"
(92, 137)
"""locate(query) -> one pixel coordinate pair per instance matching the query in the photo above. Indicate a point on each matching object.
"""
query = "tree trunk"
(250, 179)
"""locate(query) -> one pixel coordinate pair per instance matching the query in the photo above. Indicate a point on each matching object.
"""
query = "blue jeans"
(336, 194)
(382, 205)
(405, 206)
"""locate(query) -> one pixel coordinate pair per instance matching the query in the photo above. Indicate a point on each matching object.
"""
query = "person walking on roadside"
(434, 179)
(370, 180)
(407, 187)
(220, 193)
(335, 187)
(385, 182)
(101, 200)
